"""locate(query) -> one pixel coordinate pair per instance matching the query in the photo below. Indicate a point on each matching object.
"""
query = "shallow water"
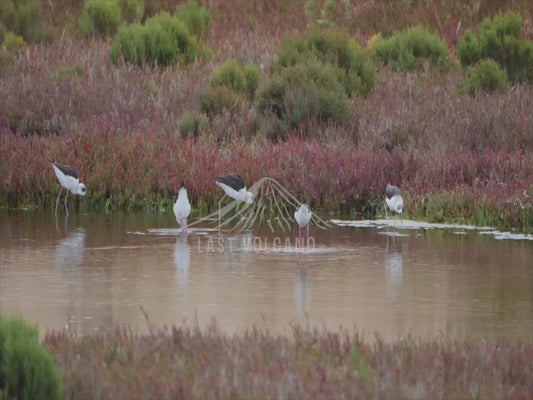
(96, 270)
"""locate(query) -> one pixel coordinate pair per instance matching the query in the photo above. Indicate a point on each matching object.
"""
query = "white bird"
(182, 208)
(234, 187)
(394, 199)
(68, 178)
(302, 216)
(270, 203)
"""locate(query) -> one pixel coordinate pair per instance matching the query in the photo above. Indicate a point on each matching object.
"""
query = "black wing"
(392, 191)
(67, 170)
(234, 181)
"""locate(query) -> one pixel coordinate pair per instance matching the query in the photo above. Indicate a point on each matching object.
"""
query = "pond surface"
(97, 270)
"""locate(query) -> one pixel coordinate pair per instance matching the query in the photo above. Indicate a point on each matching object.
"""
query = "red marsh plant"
(119, 127)
(136, 169)
(189, 362)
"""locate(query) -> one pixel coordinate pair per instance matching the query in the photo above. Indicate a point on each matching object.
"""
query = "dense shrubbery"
(303, 92)
(410, 49)
(252, 77)
(13, 41)
(501, 39)
(101, 16)
(130, 10)
(216, 99)
(228, 83)
(24, 18)
(27, 370)
(334, 47)
(192, 124)
(487, 76)
(196, 17)
(162, 40)
(231, 75)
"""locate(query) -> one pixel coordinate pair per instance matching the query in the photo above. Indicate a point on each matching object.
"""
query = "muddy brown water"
(97, 270)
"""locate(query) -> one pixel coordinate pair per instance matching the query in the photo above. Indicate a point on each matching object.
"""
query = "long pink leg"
(308, 236)
(300, 236)
(219, 207)
(58, 196)
(66, 205)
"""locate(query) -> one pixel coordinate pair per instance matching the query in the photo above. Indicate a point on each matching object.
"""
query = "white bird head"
(249, 198)
(399, 207)
(81, 190)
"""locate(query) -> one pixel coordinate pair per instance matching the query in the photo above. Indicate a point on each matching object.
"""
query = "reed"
(188, 362)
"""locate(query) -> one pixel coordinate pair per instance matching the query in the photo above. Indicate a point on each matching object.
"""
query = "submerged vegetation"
(189, 362)
(332, 99)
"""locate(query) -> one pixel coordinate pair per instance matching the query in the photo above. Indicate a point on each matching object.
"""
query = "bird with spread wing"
(265, 202)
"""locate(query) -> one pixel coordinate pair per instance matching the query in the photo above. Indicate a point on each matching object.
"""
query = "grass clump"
(25, 18)
(192, 124)
(502, 40)
(228, 84)
(217, 99)
(101, 16)
(27, 369)
(252, 77)
(302, 92)
(162, 40)
(485, 76)
(410, 49)
(334, 47)
(130, 10)
(196, 17)
(13, 41)
(231, 75)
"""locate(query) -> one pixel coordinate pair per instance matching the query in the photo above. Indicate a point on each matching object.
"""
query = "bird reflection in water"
(393, 267)
(182, 259)
(69, 256)
(302, 285)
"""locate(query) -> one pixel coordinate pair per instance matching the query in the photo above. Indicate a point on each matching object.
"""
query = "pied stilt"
(394, 199)
(234, 187)
(68, 178)
(182, 208)
(302, 216)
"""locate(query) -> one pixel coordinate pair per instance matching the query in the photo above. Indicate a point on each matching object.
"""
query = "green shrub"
(486, 75)
(129, 45)
(101, 16)
(300, 93)
(252, 77)
(72, 70)
(162, 40)
(335, 47)
(195, 17)
(469, 49)
(192, 124)
(501, 39)
(412, 48)
(130, 10)
(13, 41)
(216, 99)
(27, 370)
(231, 75)
(25, 18)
